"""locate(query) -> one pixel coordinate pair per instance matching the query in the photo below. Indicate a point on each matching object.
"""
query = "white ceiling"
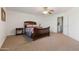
(38, 10)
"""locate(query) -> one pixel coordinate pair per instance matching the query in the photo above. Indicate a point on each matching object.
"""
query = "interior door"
(60, 24)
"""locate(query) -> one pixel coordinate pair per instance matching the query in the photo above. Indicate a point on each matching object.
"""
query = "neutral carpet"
(14, 41)
(54, 42)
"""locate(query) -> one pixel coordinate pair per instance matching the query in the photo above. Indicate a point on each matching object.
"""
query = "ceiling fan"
(47, 10)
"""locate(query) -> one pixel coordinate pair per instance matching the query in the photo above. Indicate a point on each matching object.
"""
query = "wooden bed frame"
(38, 32)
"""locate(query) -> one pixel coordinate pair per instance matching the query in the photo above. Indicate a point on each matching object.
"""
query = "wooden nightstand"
(19, 31)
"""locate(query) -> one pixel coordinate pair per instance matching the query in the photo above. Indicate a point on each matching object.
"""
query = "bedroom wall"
(2, 30)
(73, 23)
(16, 19)
(49, 20)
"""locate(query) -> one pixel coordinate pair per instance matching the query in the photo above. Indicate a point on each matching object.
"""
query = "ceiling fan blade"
(50, 12)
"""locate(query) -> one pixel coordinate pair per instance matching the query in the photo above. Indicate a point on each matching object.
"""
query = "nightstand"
(19, 31)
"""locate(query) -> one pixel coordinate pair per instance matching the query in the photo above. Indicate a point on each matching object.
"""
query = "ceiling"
(38, 10)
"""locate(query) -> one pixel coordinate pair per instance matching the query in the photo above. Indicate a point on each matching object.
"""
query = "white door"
(60, 24)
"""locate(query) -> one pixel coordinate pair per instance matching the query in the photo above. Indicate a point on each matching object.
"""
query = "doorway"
(60, 24)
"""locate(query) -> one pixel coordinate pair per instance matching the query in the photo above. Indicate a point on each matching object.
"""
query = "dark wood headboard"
(29, 22)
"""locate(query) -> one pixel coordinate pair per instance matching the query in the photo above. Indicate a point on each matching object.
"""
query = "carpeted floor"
(14, 41)
(54, 42)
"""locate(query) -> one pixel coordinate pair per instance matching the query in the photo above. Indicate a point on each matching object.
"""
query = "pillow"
(32, 26)
(29, 25)
(35, 25)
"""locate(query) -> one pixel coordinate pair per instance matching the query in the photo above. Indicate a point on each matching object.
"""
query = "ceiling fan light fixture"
(45, 12)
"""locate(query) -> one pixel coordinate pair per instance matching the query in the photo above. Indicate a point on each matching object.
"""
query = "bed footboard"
(40, 32)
